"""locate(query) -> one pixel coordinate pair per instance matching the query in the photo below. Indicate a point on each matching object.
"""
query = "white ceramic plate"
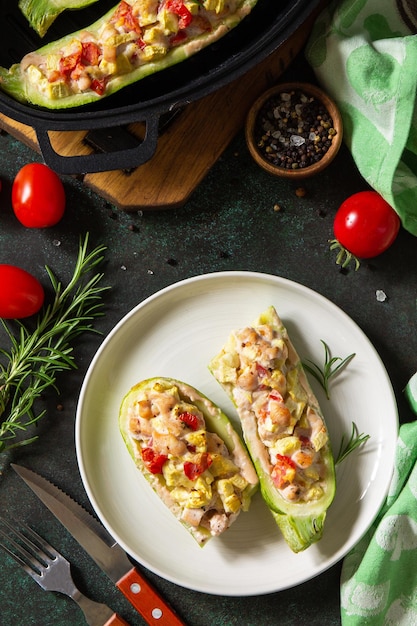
(175, 333)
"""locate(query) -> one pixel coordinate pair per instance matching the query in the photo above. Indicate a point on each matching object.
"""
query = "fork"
(52, 571)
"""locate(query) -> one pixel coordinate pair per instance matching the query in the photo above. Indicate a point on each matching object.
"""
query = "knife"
(101, 546)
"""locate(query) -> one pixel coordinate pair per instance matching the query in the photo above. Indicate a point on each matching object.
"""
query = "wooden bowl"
(281, 148)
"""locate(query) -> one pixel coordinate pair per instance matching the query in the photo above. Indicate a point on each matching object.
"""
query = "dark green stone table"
(229, 223)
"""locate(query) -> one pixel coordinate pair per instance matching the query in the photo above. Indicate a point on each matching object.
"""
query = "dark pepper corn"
(293, 130)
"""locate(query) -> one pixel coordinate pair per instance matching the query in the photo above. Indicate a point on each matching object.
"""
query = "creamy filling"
(268, 388)
(171, 440)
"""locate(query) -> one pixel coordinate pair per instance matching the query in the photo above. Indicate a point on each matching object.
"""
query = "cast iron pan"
(270, 24)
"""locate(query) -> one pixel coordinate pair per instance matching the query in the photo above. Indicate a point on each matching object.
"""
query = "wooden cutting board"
(188, 147)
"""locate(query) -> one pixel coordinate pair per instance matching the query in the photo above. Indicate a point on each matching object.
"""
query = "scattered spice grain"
(301, 192)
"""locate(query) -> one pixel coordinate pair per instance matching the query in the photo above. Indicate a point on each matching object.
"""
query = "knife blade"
(103, 549)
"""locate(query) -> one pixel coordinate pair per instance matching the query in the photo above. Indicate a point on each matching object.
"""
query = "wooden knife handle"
(147, 601)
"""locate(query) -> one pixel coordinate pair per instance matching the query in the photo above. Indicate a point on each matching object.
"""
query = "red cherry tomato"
(21, 294)
(366, 225)
(38, 196)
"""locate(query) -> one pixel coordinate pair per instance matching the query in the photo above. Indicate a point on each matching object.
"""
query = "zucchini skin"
(16, 82)
(41, 14)
(216, 422)
(301, 523)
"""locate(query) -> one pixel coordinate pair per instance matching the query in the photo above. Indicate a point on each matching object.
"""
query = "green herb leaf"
(36, 356)
(329, 370)
(354, 442)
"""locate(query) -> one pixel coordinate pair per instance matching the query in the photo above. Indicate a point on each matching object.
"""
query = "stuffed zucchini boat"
(188, 450)
(282, 425)
(41, 14)
(131, 41)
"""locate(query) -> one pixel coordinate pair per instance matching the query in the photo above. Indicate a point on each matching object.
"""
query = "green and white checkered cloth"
(364, 54)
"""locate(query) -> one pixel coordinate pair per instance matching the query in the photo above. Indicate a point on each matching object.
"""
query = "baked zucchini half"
(131, 41)
(41, 14)
(282, 425)
(189, 452)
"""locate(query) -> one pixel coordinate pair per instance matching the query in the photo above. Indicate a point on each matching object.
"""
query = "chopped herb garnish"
(329, 370)
(354, 442)
(36, 356)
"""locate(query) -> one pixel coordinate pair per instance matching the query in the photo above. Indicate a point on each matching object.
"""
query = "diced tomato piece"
(90, 54)
(178, 7)
(68, 64)
(99, 86)
(194, 470)
(131, 24)
(153, 461)
(283, 471)
(261, 370)
(190, 420)
(141, 44)
(121, 11)
(123, 16)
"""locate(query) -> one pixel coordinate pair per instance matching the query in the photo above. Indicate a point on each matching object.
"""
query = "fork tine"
(27, 554)
(47, 551)
(51, 570)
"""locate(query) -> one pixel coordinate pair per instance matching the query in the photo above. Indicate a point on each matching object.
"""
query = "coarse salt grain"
(296, 140)
(381, 296)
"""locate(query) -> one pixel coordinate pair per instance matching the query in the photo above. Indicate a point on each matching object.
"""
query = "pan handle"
(123, 159)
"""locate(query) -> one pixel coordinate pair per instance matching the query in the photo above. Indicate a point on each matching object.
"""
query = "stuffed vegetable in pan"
(133, 40)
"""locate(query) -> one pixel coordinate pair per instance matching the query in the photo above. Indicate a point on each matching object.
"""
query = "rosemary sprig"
(323, 376)
(329, 370)
(354, 442)
(36, 356)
